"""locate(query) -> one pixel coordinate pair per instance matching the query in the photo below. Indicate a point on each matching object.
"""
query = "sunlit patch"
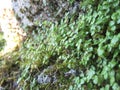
(13, 33)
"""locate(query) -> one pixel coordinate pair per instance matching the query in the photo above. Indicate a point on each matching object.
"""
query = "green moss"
(88, 45)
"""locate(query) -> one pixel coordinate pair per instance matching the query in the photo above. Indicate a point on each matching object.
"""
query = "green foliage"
(90, 45)
(2, 42)
(102, 64)
(71, 1)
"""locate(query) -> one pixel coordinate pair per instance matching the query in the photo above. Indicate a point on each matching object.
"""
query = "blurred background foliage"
(77, 53)
(2, 41)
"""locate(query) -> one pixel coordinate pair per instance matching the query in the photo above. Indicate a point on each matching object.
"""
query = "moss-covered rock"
(29, 12)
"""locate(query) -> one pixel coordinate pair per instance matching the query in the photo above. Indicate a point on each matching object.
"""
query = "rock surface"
(30, 11)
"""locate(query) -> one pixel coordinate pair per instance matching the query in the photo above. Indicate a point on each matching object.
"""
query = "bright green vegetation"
(90, 45)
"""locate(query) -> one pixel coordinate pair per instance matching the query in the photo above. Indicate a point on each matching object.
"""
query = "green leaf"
(116, 3)
(112, 23)
(112, 64)
(115, 86)
(107, 87)
(113, 28)
(105, 71)
(112, 77)
(95, 80)
(100, 51)
(102, 88)
(90, 74)
(118, 21)
(114, 40)
(118, 75)
(110, 0)
(106, 76)
(114, 16)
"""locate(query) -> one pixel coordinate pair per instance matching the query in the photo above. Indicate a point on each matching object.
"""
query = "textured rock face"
(30, 11)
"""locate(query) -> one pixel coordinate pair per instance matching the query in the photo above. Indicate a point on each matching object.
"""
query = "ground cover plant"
(77, 53)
